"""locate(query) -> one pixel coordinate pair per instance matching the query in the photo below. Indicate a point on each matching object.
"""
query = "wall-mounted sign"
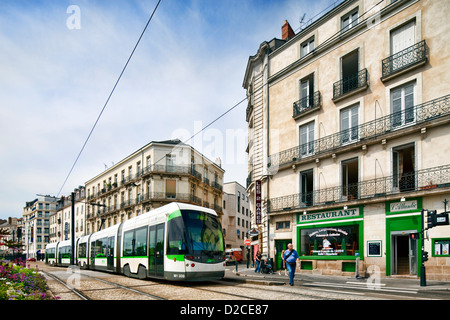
(253, 232)
(258, 201)
(335, 214)
(403, 206)
(374, 248)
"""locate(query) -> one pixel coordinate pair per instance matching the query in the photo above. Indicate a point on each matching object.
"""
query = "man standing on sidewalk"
(291, 258)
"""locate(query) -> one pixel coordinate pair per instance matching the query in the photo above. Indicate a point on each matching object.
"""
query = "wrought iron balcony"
(421, 180)
(404, 60)
(308, 103)
(350, 84)
(428, 111)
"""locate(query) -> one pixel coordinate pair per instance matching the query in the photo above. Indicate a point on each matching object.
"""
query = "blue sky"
(187, 70)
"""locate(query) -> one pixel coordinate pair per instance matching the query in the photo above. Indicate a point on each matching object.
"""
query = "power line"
(109, 97)
(208, 125)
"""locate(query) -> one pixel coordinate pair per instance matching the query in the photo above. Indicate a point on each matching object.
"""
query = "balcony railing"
(427, 179)
(412, 56)
(421, 113)
(308, 103)
(350, 84)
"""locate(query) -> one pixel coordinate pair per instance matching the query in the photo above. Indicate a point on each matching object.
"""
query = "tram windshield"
(195, 232)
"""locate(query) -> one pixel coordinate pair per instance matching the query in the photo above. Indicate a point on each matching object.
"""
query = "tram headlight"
(192, 264)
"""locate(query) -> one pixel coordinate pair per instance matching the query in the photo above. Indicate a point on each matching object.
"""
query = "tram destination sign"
(327, 215)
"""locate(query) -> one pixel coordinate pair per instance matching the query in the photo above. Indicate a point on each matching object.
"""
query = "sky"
(59, 61)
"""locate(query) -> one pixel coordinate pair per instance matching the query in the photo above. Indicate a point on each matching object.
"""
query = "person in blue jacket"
(291, 258)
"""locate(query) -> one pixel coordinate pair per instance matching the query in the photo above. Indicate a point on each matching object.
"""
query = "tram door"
(110, 254)
(156, 250)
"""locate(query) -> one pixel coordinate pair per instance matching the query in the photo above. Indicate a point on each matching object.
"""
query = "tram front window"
(195, 233)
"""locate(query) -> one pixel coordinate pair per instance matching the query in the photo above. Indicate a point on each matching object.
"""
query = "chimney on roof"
(286, 31)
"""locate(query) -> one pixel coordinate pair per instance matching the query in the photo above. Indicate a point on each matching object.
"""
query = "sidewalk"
(248, 275)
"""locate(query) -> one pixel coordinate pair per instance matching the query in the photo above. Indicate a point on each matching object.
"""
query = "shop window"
(441, 247)
(330, 241)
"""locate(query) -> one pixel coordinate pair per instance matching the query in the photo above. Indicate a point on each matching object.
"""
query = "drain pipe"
(267, 146)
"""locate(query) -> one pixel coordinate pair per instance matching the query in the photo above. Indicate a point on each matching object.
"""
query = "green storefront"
(335, 234)
(402, 251)
(338, 235)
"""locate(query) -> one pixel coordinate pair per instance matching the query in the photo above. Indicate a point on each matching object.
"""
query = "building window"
(350, 178)
(307, 92)
(283, 225)
(170, 162)
(306, 188)
(402, 37)
(403, 167)
(171, 188)
(349, 72)
(349, 20)
(349, 124)
(306, 47)
(402, 101)
(307, 139)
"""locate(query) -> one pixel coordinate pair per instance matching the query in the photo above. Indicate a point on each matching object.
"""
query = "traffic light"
(414, 236)
(434, 219)
(424, 256)
(431, 219)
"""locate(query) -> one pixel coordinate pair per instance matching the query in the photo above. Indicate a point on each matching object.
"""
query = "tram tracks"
(87, 293)
(91, 287)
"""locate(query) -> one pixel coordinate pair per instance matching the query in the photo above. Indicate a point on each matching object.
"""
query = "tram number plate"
(179, 275)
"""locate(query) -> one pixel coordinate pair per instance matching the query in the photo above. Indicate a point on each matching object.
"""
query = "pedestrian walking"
(291, 258)
(258, 261)
(283, 264)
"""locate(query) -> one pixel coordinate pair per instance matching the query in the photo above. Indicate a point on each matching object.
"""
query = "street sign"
(247, 242)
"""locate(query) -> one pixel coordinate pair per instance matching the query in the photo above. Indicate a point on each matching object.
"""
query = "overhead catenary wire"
(109, 96)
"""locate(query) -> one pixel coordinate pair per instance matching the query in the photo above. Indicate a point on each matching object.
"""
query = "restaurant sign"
(327, 215)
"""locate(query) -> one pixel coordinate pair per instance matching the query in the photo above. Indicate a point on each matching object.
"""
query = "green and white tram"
(50, 253)
(176, 242)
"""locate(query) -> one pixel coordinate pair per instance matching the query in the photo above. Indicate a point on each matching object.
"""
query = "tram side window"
(141, 242)
(135, 242)
(101, 246)
(65, 252)
(82, 250)
(50, 253)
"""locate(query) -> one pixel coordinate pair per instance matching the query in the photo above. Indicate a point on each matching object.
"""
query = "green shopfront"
(330, 241)
(403, 218)
(379, 234)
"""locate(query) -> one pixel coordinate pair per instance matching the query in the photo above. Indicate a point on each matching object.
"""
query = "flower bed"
(17, 282)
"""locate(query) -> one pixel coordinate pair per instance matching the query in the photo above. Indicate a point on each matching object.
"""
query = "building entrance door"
(280, 245)
(403, 253)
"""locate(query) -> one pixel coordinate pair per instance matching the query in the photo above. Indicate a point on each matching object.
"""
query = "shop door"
(280, 245)
(404, 253)
(156, 250)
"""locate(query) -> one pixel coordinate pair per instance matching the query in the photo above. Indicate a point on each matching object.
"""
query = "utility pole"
(72, 231)
(423, 278)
